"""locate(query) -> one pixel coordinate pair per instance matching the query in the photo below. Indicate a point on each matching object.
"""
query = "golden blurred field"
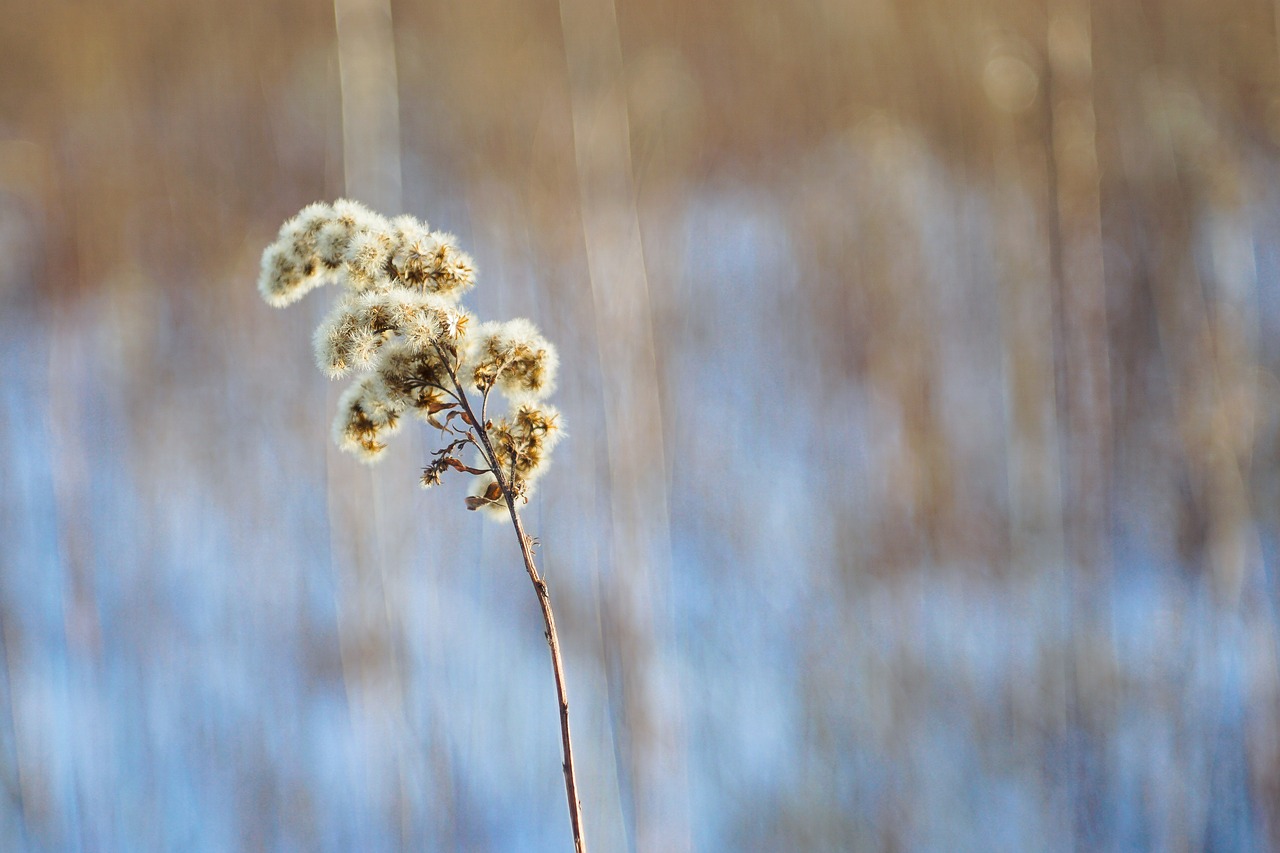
(919, 361)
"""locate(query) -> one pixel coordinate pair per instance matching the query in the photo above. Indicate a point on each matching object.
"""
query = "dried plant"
(400, 324)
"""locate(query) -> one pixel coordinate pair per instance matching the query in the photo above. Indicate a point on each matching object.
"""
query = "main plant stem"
(544, 600)
(549, 620)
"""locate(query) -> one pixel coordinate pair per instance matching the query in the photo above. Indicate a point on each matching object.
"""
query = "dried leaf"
(456, 464)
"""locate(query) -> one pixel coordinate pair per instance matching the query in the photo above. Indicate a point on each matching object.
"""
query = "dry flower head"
(400, 325)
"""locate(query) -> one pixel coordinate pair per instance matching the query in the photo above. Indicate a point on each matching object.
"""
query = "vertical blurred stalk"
(1036, 532)
(71, 366)
(1026, 323)
(635, 624)
(370, 102)
(1084, 395)
(1084, 367)
(371, 173)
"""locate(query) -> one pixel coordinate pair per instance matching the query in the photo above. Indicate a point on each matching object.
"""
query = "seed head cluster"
(400, 326)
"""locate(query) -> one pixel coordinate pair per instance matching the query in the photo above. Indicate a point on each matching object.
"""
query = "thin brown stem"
(548, 618)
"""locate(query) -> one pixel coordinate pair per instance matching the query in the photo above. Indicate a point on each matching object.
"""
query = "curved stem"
(548, 618)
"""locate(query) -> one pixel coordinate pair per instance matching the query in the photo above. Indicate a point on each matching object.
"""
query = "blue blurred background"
(919, 362)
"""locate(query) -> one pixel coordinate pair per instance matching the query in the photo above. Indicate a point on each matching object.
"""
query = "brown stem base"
(548, 619)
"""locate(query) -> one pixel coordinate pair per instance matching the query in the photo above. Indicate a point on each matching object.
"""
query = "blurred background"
(919, 362)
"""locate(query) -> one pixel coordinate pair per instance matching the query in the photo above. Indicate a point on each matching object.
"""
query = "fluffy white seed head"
(408, 229)
(431, 262)
(291, 266)
(419, 377)
(350, 220)
(363, 347)
(522, 442)
(400, 324)
(523, 453)
(360, 217)
(351, 336)
(515, 358)
(421, 328)
(330, 344)
(368, 413)
(369, 261)
(453, 271)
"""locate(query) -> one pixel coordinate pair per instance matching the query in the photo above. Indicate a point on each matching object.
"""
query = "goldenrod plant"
(400, 325)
